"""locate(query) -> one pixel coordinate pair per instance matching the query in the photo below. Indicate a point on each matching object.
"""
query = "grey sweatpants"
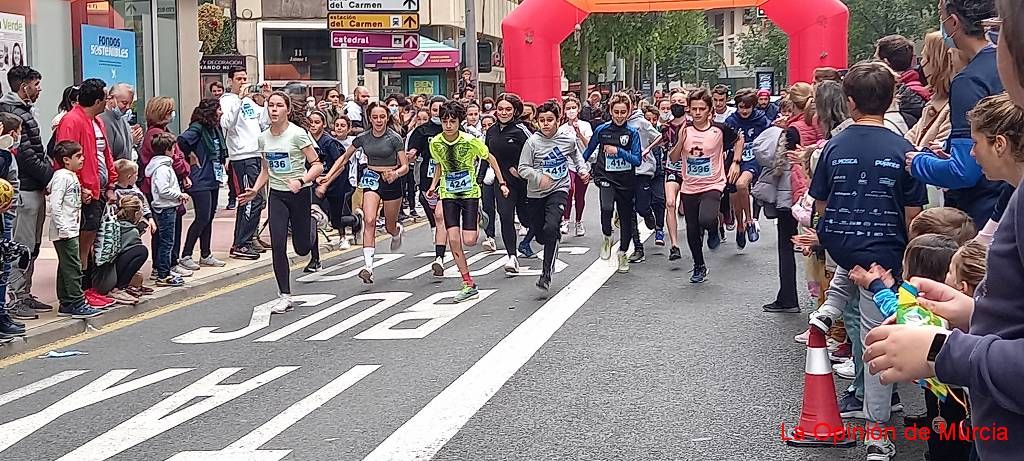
(877, 397)
(28, 231)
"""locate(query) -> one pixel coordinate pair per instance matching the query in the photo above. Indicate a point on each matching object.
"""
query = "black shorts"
(673, 176)
(461, 212)
(92, 215)
(385, 190)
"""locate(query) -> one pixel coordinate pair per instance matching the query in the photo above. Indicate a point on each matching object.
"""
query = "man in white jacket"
(243, 121)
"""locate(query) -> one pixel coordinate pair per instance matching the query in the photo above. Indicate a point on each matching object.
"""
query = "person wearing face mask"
(10, 130)
(115, 118)
(488, 106)
(672, 175)
(582, 131)
(419, 147)
(35, 170)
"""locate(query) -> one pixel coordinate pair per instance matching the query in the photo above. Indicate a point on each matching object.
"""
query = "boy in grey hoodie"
(544, 165)
(167, 196)
(648, 199)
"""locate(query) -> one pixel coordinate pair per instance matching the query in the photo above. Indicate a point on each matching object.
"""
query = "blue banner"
(108, 54)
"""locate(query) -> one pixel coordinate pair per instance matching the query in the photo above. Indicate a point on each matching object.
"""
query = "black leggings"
(291, 209)
(409, 184)
(701, 212)
(427, 209)
(546, 219)
(129, 263)
(611, 198)
(650, 204)
(508, 208)
(787, 228)
(205, 204)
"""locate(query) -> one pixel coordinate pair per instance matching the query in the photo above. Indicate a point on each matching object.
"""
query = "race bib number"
(218, 172)
(556, 169)
(674, 166)
(248, 111)
(748, 152)
(279, 162)
(458, 182)
(699, 167)
(616, 164)
(431, 168)
(370, 180)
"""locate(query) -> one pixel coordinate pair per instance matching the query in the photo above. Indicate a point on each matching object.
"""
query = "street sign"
(374, 41)
(372, 21)
(372, 5)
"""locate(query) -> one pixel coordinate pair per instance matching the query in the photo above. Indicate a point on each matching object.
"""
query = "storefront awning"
(431, 55)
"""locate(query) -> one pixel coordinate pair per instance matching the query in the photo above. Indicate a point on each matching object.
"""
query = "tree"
(765, 45)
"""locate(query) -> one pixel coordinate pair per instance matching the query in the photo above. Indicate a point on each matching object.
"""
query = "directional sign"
(373, 5)
(374, 41)
(343, 21)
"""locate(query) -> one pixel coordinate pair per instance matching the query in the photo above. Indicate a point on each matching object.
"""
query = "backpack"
(911, 104)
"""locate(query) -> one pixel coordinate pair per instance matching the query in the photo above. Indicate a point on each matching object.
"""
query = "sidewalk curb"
(38, 338)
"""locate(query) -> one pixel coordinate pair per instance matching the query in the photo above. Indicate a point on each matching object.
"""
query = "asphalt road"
(605, 366)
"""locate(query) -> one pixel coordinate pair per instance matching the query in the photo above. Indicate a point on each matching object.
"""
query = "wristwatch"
(937, 342)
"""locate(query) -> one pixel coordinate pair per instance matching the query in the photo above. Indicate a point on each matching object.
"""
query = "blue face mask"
(946, 38)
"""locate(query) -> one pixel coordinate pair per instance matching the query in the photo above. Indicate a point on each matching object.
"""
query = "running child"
(749, 122)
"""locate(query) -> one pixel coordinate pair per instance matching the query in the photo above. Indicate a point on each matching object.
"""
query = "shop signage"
(220, 64)
(412, 60)
(373, 5)
(376, 41)
(344, 21)
(108, 54)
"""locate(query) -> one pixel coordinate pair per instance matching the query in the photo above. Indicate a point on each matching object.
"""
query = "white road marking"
(168, 413)
(423, 270)
(384, 301)
(435, 314)
(103, 388)
(39, 385)
(322, 276)
(424, 434)
(247, 447)
(260, 319)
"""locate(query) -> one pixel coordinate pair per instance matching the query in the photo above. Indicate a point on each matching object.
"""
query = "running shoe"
(606, 248)
(544, 282)
(97, 300)
(181, 271)
(466, 293)
(211, 261)
(714, 241)
(659, 237)
(777, 309)
(850, 406)
(880, 450)
(170, 281)
(802, 337)
(700, 274)
(580, 231)
(730, 221)
(525, 250)
(244, 252)
(512, 265)
(344, 244)
(83, 311)
(366, 274)
(33, 303)
(396, 240)
(638, 256)
(123, 298)
(232, 204)
(523, 231)
(741, 240)
(623, 263)
(674, 254)
(564, 228)
(820, 321)
(20, 311)
(259, 245)
(188, 263)
(313, 266)
(489, 244)
(284, 304)
(845, 369)
(752, 233)
(438, 267)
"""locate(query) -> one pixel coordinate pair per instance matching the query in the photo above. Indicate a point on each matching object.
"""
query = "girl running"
(286, 148)
(702, 146)
(505, 141)
(548, 158)
(457, 154)
(618, 154)
(380, 181)
(330, 196)
(673, 170)
(577, 187)
(419, 145)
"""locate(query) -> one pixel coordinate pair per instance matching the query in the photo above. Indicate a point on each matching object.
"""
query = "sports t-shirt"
(720, 118)
(751, 127)
(670, 137)
(380, 150)
(285, 159)
(458, 162)
(862, 178)
(703, 158)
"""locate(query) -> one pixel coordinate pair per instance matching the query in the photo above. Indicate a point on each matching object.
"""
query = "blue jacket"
(626, 139)
(206, 143)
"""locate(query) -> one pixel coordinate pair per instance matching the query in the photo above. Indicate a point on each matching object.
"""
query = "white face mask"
(572, 113)
(666, 115)
(7, 141)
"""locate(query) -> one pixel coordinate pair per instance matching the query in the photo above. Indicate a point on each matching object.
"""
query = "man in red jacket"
(98, 175)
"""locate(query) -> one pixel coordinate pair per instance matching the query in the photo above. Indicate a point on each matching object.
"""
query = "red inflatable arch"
(533, 32)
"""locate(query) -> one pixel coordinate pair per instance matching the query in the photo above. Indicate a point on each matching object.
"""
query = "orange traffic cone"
(820, 424)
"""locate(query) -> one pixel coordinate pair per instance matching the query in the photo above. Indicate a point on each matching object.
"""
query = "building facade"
(730, 24)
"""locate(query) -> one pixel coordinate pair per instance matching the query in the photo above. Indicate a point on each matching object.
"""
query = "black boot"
(7, 327)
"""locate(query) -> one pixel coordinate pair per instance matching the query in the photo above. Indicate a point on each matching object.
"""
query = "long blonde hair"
(801, 94)
(945, 62)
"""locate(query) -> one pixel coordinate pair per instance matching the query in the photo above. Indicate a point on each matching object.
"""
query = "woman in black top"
(202, 144)
(505, 140)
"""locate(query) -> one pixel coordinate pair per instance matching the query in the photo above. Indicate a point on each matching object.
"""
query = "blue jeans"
(5, 270)
(163, 241)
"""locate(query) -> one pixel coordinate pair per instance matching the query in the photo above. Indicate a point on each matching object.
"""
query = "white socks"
(368, 257)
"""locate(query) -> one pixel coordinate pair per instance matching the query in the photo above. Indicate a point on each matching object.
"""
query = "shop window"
(298, 54)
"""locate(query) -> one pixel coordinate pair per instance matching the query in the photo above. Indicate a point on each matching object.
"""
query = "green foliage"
(764, 45)
(664, 35)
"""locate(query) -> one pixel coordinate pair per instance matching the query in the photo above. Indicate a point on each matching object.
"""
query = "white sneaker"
(512, 265)
(489, 244)
(845, 369)
(802, 337)
(396, 240)
(564, 228)
(880, 450)
(188, 263)
(523, 231)
(606, 248)
(181, 271)
(580, 232)
(211, 261)
(438, 267)
(284, 304)
(344, 244)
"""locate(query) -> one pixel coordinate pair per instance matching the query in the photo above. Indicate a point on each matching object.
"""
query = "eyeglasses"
(992, 27)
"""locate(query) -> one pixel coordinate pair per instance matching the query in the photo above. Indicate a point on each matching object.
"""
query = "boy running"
(750, 122)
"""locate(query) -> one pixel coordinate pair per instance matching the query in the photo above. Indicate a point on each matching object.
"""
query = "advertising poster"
(12, 45)
(108, 54)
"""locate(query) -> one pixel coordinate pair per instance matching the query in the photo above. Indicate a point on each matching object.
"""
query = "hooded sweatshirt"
(243, 122)
(751, 127)
(34, 168)
(648, 134)
(554, 157)
(166, 192)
